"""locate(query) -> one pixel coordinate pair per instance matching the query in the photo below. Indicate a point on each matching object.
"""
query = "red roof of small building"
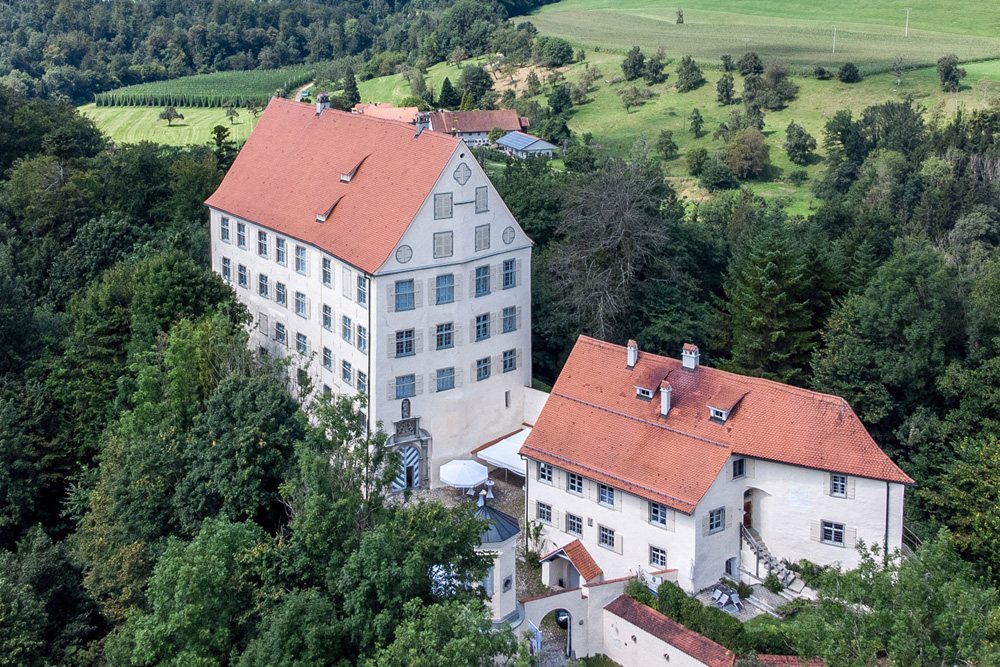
(452, 122)
(670, 631)
(580, 558)
(290, 171)
(594, 425)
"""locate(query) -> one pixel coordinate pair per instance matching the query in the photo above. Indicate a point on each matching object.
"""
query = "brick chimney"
(664, 398)
(633, 354)
(690, 357)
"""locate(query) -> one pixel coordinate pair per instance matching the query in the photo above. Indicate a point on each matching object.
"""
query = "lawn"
(135, 124)
(800, 33)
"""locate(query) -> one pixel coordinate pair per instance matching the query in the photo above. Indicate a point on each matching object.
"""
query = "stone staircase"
(764, 557)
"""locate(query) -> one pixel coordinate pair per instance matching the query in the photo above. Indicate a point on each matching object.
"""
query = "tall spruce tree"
(725, 89)
(448, 99)
(351, 92)
(766, 293)
(689, 76)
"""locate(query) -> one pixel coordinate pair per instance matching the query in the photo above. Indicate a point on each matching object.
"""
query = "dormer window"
(644, 394)
(717, 414)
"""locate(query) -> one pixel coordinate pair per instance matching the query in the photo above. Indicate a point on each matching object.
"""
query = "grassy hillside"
(800, 33)
(135, 124)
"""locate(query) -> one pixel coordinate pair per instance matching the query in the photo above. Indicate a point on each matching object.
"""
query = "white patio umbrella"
(463, 474)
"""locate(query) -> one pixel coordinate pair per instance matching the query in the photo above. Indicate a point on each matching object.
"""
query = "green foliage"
(747, 154)
(750, 63)
(798, 177)
(799, 144)
(633, 65)
(475, 81)
(848, 73)
(725, 89)
(950, 73)
(302, 628)
(553, 51)
(637, 589)
(665, 144)
(652, 70)
(695, 160)
(559, 100)
(218, 89)
(351, 93)
(772, 583)
(689, 76)
(715, 175)
(448, 98)
(696, 122)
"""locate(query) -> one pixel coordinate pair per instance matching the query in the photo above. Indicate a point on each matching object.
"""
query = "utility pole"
(746, 44)
(834, 39)
(907, 31)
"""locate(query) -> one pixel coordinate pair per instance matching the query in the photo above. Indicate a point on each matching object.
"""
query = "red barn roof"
(452, 122)
(289, 172)
(594, 425)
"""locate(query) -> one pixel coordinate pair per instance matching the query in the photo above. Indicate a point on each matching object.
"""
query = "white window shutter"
(517, 272)
(346, 282)
(704, 525)
(495, 323)
(390, 345)
(559, 478)
(390, 389)
(729, 517)
(619, 500)
(619, 543)
(456, 286)
(671, 524)
(495, 284)
(432, 343)
(850, 488)
(557, 520)
(591, 487)
(518, 358)
(456, 333)
(309, 308)
(815, 531)
(472, 284)
(517, 318)
(418, 341)
(390, 303)
(644, 510)
(418, 293)
(850, 538)
(472, 372)
(419, 382)
(458, 376)
(309, 347)
(432, 382)
(263, 326)
(472, 330)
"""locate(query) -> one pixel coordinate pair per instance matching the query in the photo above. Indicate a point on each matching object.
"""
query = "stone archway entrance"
(413, 445)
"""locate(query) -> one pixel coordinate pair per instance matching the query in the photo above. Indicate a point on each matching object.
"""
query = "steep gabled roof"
(290, 171)
(476, 121)
(386, 111)
(670, 631)
(580, 558)
(594, 425)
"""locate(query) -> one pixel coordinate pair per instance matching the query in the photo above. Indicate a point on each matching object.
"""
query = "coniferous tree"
(449, 98)
(689, 75)
(632, 66)
(696, 121)
(950, 73)
(666, 145)
(767, 302)
(799, 144)
(750, 63)
(725, 89)
(351, 92)
(467, 103)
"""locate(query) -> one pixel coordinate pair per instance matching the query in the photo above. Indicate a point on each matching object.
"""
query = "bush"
(695, 160)
(716, 176)
(747, 154)
(750, 63)
(798, 177)
(639, 591)
(799, 144)
(772, 583)
(848, 73)
(822, 73)
(745, 590)
(809, 572)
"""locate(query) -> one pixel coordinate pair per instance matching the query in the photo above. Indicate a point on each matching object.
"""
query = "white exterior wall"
(503, 602)
(458, 420)
(789, 502)
(645, 650)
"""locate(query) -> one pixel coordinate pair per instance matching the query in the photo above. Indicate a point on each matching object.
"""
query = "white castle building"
(382, 261)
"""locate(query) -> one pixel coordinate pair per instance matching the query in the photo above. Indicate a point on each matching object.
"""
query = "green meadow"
(799, 33)
(135, 124)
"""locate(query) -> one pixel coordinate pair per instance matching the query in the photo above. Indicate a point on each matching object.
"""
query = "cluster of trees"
(163, 498)
(53, 49)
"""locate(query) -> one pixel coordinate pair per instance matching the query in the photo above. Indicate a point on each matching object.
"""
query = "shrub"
(799, 144)
(950, 73)
(848, 73)
(798, 177)
(695, 160)
(822, 73)
(772, 583)
(639, 591)
(716, 176)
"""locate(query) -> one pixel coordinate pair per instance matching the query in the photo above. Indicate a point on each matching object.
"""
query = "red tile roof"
(789, 661)
(670, 631)
(477, 121)
(289, 171)
(386, 111)
(594, 425)
(581, 559)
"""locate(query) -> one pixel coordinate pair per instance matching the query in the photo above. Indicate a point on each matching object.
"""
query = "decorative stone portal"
(413, 445)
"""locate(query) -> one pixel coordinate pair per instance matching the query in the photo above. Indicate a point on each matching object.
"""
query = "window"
(445, 379)
(262, 244)
(241, 235)
(279, 332)
(482, 280)
(509, 319)
(643, 393)
(442, 206)
(717, 520)
(445, 289)
(301, 343)
(838, 485)
(362, 291)
(363, 339)
(300, 304)
(509, 361)
(606, 495)
(482, 199)
(224, 230)
(545, 472)
(544, 513)
(327, 274)
(279, 251)
(346, 373)
(607, 537)
(327, 358)
(445, 336)
(280, 294)
(658, 514)
(300, 259)
(482, 237)
(657, 557)
(574, 483)
(404, 295)
(327, 391)
(404, 343)
(717, 414)
(362, 382)
(242, 275)
(443, 245)
(406, 386)
(509, 273)
(739, 468)
(227, 269)
(482, 369)
(262, 285)
(345, 328)
(327, 317)
(482, 326)
(574, 524)
(833, 533)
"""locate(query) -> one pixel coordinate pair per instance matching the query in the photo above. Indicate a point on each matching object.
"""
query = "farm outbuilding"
(524, 145)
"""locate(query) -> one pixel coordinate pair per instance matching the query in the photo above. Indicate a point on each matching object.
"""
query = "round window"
(508, 235)
(403, 254)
